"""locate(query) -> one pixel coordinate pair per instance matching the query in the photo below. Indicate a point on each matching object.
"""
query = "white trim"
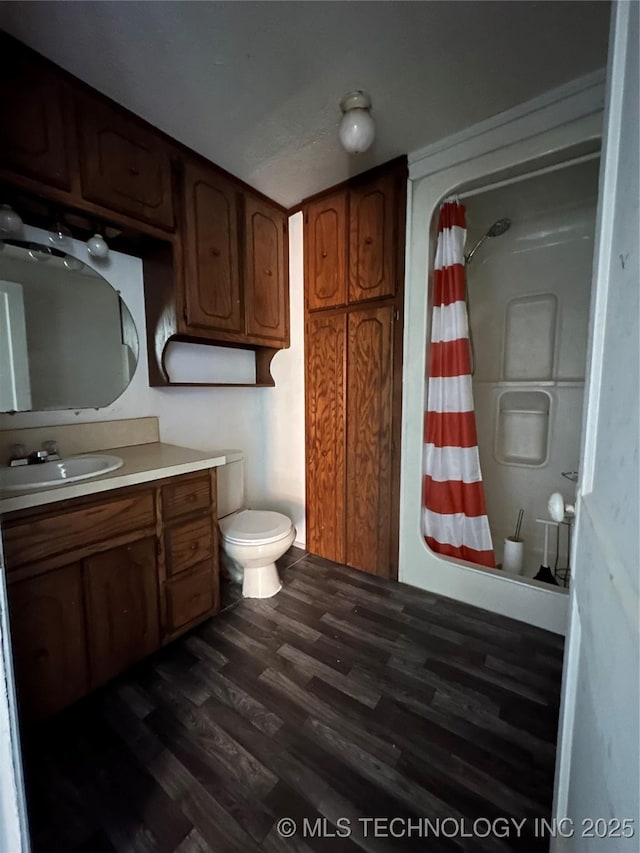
(565, 104)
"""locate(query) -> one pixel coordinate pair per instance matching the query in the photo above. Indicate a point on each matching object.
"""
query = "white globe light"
(357, 129)
(10, 222)
(97, 246)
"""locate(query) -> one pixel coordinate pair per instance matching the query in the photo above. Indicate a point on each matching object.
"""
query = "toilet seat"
(255, 527)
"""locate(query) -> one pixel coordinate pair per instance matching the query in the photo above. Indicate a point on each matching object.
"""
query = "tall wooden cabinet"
(354, 247)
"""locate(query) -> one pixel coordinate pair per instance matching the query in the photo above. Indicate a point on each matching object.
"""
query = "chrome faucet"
(19, 455)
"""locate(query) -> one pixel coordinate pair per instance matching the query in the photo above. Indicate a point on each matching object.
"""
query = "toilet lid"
(255, 526)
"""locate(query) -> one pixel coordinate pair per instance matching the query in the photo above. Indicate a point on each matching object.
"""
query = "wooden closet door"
(325, 244)
(369, 440)
(212, 276)
(266, 274)
(372, 238)
(121, 588)
(48, 639)
(325, 348)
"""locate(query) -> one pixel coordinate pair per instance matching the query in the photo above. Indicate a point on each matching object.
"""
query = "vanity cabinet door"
(49, 641)
(33, 129)
(212, 274)
(325, 247)
(372, 238)
(121, 589)
(266, 278)
(124, 165)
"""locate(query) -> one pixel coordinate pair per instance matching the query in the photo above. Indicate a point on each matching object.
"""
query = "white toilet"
(252, 540)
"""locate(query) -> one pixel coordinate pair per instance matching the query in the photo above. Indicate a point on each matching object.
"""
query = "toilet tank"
(230, 479)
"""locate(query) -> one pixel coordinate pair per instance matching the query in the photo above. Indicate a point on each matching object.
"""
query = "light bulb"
(42, 254)
(73, 264)
(10, 221)
(97, 246)
(357, 129)
(59, 235)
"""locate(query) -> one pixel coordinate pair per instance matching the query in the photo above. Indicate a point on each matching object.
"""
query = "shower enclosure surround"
(529, 295)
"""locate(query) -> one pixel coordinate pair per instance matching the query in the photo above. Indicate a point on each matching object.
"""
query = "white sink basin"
(45, 474)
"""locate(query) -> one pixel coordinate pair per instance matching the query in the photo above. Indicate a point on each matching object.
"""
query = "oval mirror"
(67, 340)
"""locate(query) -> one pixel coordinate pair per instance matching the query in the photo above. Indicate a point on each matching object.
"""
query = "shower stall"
(528, 259)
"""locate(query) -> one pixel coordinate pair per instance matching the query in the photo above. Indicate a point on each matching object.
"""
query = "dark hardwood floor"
(344, 697)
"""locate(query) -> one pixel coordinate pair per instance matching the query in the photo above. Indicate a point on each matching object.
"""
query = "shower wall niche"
(529, 296)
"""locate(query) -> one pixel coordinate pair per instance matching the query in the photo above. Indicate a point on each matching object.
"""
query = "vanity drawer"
(186, 495)
(189, 597)
(189, 544)
(43, 537)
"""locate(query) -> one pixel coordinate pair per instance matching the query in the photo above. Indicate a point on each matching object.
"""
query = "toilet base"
(261, 581)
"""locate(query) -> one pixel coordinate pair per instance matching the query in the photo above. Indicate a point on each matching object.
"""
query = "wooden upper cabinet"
(266, 277)
(33, 119)
(121, 588)
(48, 640)
(372, 238)
(124, 165)
(212, 277)
(325, 238)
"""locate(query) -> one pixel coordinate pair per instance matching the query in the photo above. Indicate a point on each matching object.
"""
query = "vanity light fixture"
(59, 235)
(357, 129)
(72, 264)
(10, 221)
(97, 246)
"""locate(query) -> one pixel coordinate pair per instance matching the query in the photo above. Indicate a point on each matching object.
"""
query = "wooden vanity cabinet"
(98, 583)
(49, 641)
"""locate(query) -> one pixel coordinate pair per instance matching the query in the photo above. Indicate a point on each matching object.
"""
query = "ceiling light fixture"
(357, 129)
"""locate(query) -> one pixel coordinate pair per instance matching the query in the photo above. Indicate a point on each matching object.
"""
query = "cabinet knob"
(324, 254)
(191, 498)
(134, 172)
(215, 253)
(41, 654)
(268, 272)
(194, 546)
(368, 240)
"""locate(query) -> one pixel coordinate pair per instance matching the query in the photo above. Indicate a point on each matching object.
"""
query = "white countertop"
(143, 463)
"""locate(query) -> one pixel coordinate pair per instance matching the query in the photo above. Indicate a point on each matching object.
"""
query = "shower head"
(497, 230)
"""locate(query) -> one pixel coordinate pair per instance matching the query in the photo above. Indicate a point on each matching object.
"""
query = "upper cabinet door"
(124, 165)
(33, 129)
(266, 278)
(212, 278)
(325, 240)
(372, 244)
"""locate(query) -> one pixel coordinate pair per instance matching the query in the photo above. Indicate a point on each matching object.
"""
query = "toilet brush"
(544, 572)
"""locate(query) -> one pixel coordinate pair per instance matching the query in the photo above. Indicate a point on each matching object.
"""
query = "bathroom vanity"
(101, 574)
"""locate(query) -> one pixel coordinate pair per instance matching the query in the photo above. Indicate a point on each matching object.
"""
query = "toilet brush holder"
(513, 555)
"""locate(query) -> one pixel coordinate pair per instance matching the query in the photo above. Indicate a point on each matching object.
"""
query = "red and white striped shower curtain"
(454, 512)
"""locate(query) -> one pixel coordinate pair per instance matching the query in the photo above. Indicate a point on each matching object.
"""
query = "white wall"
(266, 423)
(548, 128)
(283, 468)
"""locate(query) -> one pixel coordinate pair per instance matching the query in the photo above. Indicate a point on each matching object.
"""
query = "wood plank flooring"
(344, 697)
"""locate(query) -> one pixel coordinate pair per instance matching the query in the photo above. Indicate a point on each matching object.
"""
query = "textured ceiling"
(255, 87)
